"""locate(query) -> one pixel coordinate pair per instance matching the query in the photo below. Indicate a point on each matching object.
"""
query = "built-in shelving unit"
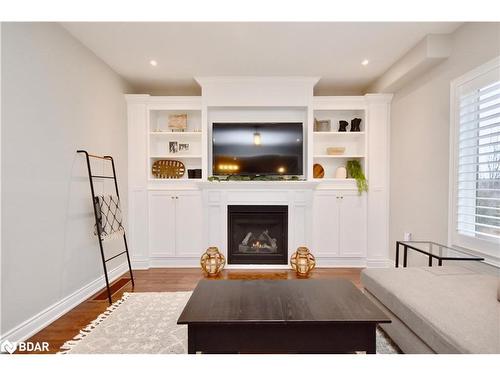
(334, 109)
(172, 221)
(355, 143)
(161, 138)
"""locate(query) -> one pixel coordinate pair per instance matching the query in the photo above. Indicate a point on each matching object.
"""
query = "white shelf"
(176, 133)
(175, 156)
(181, 180)
(301, 184)
(339, 133)
(344, 156)
(332, 179)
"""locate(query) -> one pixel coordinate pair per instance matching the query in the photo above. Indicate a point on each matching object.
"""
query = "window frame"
(490, 250)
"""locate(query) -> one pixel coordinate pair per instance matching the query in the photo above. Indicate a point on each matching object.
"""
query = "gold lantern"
(302, 262)
(212, 261)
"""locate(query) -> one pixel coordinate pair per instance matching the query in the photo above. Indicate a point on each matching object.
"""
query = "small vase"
(302, 262)
(356, 125)
(343, 126)
(341, 173)
(212, 261)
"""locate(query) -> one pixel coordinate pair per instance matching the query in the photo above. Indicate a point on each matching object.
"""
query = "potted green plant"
(355, 171)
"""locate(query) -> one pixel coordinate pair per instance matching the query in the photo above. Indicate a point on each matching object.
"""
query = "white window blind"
(477, 158)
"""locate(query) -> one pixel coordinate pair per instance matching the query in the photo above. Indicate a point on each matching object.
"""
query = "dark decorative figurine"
(343, 126)
(355, 125)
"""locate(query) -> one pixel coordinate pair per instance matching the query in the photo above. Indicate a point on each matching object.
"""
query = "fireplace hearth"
(257, 234)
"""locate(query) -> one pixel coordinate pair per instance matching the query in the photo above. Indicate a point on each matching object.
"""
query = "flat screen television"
(255, 149)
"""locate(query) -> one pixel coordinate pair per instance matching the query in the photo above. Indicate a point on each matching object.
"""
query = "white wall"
(57, 96)
(420, 137)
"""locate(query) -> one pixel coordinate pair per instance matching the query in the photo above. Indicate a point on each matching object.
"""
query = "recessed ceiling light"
(365, 62)
(153, 62)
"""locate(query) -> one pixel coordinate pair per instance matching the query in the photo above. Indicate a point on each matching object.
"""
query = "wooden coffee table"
(280, 316)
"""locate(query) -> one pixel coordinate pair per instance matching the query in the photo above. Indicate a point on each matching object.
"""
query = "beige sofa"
(447, 309)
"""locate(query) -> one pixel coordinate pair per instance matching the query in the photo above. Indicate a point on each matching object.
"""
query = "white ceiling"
(332, 50)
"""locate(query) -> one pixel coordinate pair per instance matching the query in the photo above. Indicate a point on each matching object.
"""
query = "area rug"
(146, 323)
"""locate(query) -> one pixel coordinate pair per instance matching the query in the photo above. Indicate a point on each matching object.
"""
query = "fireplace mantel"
(251, 185)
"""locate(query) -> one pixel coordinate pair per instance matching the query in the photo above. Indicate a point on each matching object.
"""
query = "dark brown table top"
(279, 301)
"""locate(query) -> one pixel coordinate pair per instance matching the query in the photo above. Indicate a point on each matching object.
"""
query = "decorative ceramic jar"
(302, 262)
(341, 172)
(212, 261)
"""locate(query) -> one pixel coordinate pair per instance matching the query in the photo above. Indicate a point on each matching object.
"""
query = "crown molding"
(379, 98)
(254, 79)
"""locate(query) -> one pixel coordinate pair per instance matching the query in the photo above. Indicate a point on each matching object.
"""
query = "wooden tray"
(168, 169)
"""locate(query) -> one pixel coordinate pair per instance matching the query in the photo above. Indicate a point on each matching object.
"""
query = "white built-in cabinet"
(175, 223)
(171, 222)
(352, 224)
(339, 224)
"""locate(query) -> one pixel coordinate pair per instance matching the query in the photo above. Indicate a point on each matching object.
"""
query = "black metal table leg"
(426, 248)
(397, 254)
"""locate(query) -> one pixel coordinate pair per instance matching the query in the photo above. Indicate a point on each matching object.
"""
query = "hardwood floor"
(164, 280)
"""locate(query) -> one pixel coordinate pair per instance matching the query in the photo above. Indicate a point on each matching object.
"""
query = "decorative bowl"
(335, 150)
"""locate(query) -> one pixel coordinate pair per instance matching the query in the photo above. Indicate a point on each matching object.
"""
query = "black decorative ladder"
(98, 214)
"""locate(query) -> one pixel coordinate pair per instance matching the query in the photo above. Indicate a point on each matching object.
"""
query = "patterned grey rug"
(146, 323)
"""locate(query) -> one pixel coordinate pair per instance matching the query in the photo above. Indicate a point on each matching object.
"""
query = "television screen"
(252, 149)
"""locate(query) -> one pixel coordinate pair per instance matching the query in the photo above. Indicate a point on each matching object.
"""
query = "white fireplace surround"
(299, 217)
(172, 222)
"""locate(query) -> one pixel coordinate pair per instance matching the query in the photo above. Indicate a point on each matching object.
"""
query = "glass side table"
(434, 251)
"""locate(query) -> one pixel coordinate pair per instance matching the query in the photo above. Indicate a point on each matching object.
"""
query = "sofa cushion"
(452, 309)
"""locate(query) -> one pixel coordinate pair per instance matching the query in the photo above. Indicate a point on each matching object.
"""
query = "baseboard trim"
(194, 262)
(140, 264)
(340, 262)
(378, 263)
(178, 262)
(31, 326)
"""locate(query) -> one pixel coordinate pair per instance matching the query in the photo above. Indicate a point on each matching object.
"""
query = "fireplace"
(257, 234)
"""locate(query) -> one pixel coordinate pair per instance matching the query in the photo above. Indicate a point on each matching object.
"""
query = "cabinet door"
(161, 224)
(188, 224)
(325, 224)
(352, 225)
